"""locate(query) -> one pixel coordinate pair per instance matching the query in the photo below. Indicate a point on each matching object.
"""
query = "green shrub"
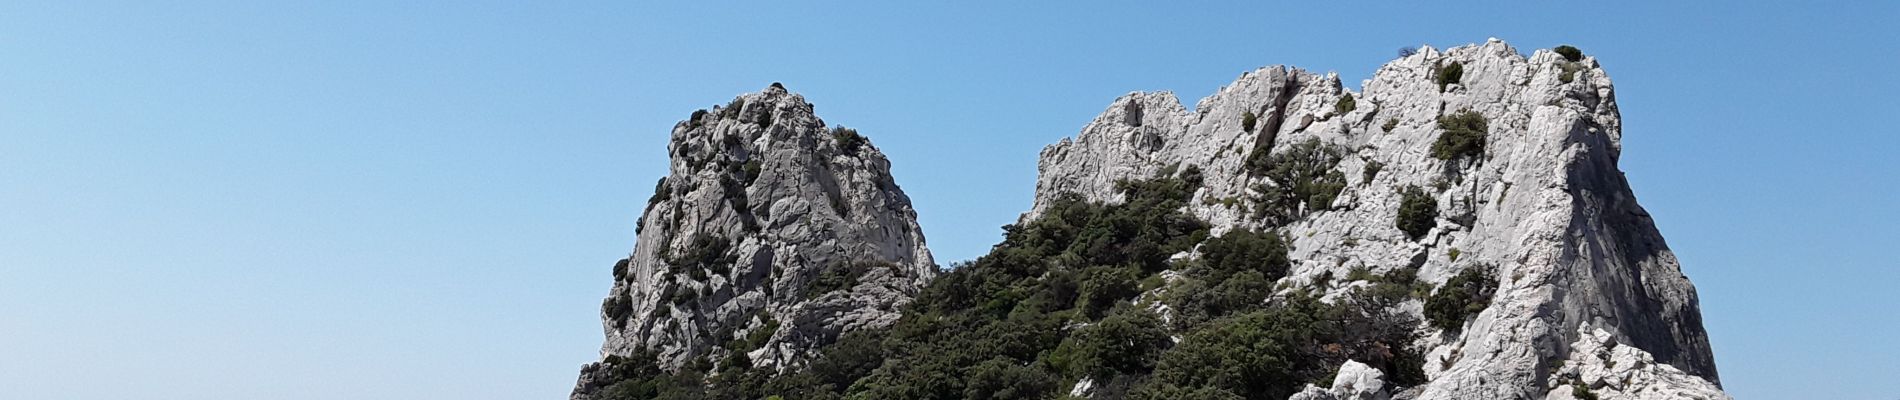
(1581, 391)
(617, 307)
(840, 276)
(620, 270)
(1244, 250)
(1450, 74)
(1464, 135)
(705, 252)
(1303, 179)
(1247, 121)
(1371, 170)
(1126, 342)
(1345, 104)
(1418, 212)
(750, 172)
(848, 140)
(1570, 53)
(1389, 124)
(1465, 294)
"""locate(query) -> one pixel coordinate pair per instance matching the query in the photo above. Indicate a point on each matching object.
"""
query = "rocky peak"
(771, 235)
(1510, 163)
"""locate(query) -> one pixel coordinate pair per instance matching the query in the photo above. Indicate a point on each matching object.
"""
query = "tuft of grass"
(1345, 104)
(1390, 123)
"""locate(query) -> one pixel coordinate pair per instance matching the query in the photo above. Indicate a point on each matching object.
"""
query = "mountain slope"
(1538, 200)
(772, 235)
(1457, 229)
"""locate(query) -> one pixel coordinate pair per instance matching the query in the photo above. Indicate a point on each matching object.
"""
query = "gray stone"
(815, 204)
(1544, 205)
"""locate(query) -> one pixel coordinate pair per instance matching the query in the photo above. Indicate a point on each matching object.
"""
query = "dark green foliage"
(705, 253)
(1371, 170)
(1243, 250)
(1450, 74)
(617, 307)
(1463, 135)
(1303, 179)
(1254, 355)
(1390, 123)
(1004, 378)
(1418, 212)
(732, 108)
(1247, 121)
(750, 172)
(640, 378)
(1570, 53)
(1345, 105)
(1465, 294)
(620, 270)
(840, 276)
(1581, 391)
(849, 141)
(1126, 342)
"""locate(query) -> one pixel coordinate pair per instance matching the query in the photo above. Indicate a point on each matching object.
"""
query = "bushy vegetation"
(1054, 303)
(841, 276)
(1464, 135)
(1389, 124)
(1247, 120)
(1569, 52)
(1466, 294)
(706, 253)
(1345, 104)
(1450, 74)
(848, 140)
(1418, 212)
(1302, 179)
(620, 269)
(1371, 170)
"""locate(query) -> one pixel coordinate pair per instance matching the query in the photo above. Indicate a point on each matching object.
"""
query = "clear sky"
(394, 200)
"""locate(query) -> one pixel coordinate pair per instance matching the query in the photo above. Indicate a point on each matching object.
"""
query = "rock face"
(771, 231)
(1541, 204)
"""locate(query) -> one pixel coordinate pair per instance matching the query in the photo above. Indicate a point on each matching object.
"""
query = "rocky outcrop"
(771, 236)
(1539, 203)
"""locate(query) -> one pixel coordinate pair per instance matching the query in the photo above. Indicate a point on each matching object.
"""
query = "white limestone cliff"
(762, 203)
(1544, 204)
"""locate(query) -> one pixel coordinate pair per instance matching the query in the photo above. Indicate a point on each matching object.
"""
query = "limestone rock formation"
(770, 232)
(1536, 200)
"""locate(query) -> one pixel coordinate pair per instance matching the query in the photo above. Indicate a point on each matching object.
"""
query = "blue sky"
(394, 200)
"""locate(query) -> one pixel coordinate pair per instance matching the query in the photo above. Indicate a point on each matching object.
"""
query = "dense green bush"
(1570, 53)
(1418, 212)
(1465, 294)
(1127, 342)
(617, 307)
(704, 253)
(1389, 124)
(1247, 121)
(1450, 74)
(1303, 179)
(848, 140)
(840, 276)
(1464, 135)
(1345, 104)
(620, 269)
